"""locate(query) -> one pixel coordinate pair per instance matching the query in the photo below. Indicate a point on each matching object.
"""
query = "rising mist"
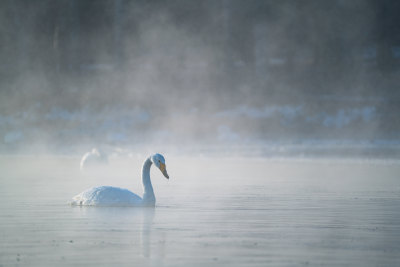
(199, 75)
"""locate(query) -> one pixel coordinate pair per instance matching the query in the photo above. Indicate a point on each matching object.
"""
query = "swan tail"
(77, 201)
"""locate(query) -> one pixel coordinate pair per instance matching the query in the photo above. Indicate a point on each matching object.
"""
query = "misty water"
(299, 100)
(212, 212)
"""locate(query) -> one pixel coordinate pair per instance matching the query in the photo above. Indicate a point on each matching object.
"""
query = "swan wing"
(106, 196)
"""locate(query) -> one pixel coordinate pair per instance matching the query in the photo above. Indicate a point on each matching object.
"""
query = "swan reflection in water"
(132, 228)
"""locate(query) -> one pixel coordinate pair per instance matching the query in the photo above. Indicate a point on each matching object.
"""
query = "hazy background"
(229, 77)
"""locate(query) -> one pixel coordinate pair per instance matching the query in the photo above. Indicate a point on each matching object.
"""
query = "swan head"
(95, 152)
(159, 161)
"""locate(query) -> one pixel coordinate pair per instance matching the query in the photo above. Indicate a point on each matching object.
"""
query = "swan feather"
(106, 196)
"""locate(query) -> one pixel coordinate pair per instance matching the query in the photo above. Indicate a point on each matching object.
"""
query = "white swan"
(114, 196)
(92, 158)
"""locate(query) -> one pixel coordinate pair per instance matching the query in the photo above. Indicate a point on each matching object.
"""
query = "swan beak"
(164, 170)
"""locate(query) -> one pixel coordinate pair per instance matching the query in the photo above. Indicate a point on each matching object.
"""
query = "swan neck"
(148, 195)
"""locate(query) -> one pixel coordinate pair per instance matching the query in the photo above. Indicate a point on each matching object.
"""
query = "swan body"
(115, 196)
(107, 196)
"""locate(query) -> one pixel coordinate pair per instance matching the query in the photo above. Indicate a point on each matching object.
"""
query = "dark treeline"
(83, 51)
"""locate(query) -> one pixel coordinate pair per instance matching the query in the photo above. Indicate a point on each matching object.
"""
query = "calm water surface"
(212, 212)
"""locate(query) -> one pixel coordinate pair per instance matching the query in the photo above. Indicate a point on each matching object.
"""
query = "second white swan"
(115, 196)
